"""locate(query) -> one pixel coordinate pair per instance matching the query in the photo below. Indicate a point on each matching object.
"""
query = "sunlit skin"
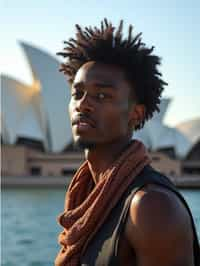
(103, 115)
(101, 93)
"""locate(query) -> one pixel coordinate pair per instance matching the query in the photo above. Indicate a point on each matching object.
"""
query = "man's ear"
(137, 114)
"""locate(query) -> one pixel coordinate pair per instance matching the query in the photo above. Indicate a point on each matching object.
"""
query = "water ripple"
(30, 229)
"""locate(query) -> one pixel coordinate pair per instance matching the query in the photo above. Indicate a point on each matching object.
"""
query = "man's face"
(99, 106)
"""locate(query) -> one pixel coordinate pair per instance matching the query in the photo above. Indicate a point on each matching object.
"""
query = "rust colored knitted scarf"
(87, 207)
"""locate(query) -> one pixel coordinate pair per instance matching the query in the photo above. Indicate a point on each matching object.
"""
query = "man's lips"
(83, 122)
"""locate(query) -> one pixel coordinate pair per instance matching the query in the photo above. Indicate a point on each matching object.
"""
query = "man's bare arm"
(159, 229)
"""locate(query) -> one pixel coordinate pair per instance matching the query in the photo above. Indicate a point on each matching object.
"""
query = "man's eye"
(101, 96)
(77, 94)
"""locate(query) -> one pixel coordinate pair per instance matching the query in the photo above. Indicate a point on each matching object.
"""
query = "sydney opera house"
(36, 135)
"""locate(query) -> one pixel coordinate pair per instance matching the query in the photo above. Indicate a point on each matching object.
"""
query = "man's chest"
(109, 246)
(111, 252)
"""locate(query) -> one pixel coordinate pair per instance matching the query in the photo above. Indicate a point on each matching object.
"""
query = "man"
(118, 210)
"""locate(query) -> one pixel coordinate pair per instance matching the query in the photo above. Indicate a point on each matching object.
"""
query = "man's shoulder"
(159, 204)
(157, 219)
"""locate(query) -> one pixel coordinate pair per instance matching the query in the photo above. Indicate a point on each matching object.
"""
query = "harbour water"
(29, 227)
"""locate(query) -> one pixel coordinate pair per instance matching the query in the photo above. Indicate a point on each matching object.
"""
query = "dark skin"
(158, 228)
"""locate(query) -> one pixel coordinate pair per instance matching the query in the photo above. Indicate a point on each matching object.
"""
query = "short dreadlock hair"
(106, 45)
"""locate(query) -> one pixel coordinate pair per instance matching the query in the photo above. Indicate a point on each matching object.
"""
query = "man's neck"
(102, 156)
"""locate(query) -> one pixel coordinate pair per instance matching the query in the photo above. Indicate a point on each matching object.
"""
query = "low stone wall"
(61, 181)
(186, 181)
(34, 182)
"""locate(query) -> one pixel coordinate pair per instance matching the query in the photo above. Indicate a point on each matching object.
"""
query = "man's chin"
(84, 144)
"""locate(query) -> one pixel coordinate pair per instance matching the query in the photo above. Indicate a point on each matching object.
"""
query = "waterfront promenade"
(61, 181)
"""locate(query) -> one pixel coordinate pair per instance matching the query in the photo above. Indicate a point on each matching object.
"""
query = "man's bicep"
(159, 230)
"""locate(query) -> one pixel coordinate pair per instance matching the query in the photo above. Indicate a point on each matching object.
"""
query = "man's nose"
(85, 104)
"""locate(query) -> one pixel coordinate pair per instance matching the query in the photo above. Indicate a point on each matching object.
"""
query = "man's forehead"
(96, 72)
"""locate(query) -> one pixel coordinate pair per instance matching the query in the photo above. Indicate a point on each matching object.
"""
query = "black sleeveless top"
(102, 250)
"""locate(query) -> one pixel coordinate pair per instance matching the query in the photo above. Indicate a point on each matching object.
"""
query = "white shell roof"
(156, 135)
(29, 125)
(54, 94)
(190, 129)
(16, 100)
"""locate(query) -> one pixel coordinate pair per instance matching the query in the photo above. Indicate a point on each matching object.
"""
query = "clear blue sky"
(172, 26)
